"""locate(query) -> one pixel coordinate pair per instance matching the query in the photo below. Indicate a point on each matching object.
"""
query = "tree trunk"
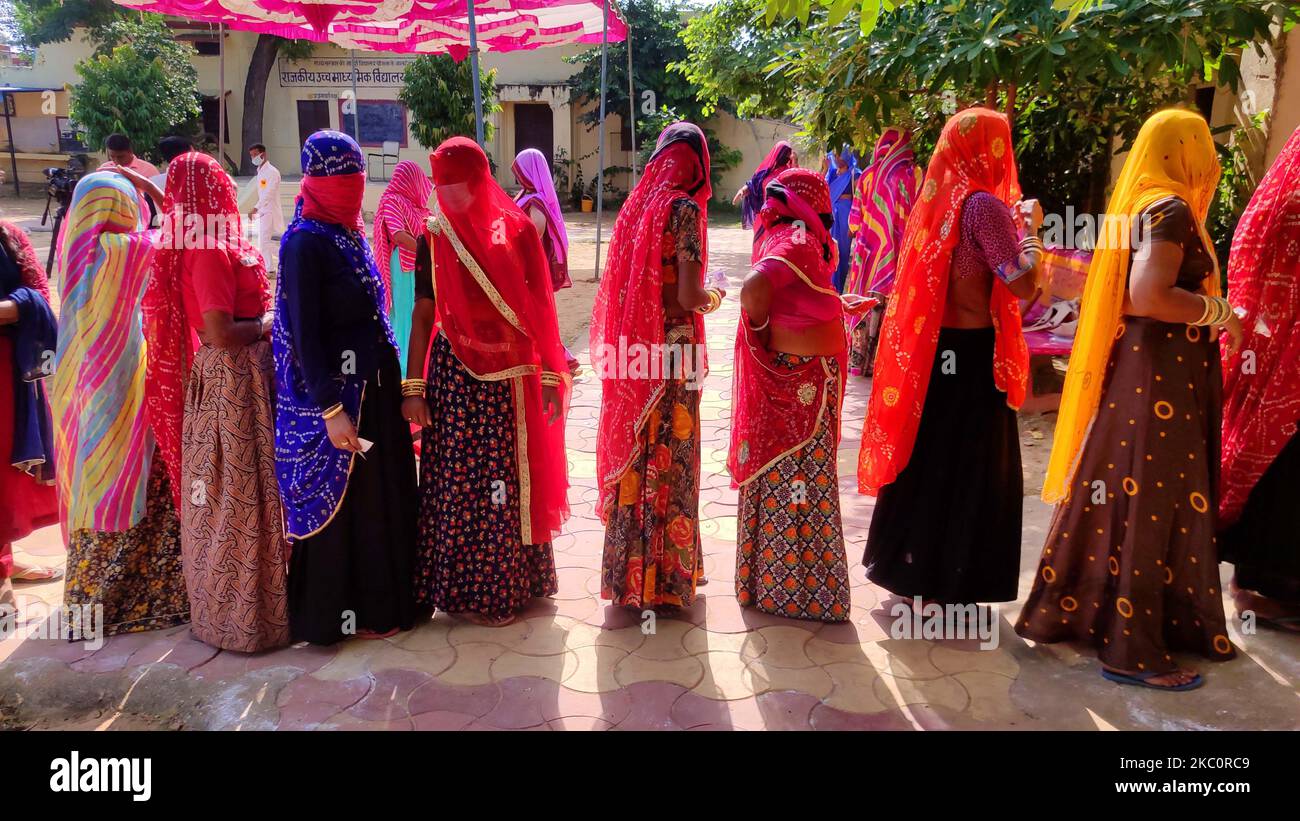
(991, 96)
(259, 71)
(1011, 103)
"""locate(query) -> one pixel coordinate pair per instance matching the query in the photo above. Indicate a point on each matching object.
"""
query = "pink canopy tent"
(454, 27)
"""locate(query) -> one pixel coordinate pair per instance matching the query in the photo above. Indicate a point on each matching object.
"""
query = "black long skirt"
(358, 573)
(1264, 544)
(948, 528)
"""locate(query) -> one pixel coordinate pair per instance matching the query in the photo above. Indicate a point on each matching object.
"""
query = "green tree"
(53, 21)
(729, 51)
(1071, 75)
(139, 82)
(260, 64)
(439, 93)
(663, 93)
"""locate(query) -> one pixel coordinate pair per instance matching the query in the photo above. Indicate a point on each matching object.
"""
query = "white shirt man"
(268, 216)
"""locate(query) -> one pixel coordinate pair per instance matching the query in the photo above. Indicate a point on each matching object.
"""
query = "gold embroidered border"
(839, 406)
(521, 462)
(477, 272)
(801, 275)
(351, 463)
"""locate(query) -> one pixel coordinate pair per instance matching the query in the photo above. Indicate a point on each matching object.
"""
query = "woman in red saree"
(493, 472)
(1260, 480)
(787, 390)
(214, 409)
(647, 344)
(940, 445)
(27, 331)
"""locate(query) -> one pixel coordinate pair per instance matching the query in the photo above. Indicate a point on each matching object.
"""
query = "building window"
(381, 121)
(208, 48)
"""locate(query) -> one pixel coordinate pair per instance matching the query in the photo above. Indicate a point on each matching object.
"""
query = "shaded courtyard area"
(573, 662)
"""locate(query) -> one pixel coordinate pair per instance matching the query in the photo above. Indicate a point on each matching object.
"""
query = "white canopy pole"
(600, 174)
(473, 61)
(356, 101)
(631, 102)
(221, 94)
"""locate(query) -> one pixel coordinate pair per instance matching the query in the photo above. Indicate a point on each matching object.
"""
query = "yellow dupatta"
(1173, 156)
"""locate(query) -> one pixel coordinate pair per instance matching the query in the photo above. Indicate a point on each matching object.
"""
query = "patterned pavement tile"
(576, 662)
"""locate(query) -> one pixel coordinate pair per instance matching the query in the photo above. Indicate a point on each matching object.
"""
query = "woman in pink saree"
(787, 389)
(540, 203)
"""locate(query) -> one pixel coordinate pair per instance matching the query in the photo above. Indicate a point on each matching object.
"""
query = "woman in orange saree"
(940, 446)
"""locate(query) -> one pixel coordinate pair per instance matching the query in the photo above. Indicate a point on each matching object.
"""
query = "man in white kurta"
(267, 215)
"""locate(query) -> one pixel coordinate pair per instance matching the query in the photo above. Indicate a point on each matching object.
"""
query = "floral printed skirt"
(789, 541)
(471, 558)
(652, 551)
(136, 574)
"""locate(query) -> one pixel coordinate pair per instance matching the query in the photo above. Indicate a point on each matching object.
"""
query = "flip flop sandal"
(1142, 679)
(36, 574)
(372, 635)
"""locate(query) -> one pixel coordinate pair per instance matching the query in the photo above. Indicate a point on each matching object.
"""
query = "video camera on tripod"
(59, 185)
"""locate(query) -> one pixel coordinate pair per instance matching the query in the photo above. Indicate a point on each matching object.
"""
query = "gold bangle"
(1217, 311)
(551, 379)
(332, 411)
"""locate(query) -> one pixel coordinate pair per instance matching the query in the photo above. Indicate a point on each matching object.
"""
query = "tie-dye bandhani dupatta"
(776, 411)
(629, 310)
(885, 193)
(973, 154)
(313, 474)
(1261, 407)
(103, 443)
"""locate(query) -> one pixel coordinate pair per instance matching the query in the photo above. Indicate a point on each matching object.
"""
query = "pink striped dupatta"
(103, 443)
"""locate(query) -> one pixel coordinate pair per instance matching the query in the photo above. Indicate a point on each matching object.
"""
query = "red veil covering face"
(1261, 408)
(776, 411)
(629, 306)
(494, 299)
(973, 154)
(200, 212)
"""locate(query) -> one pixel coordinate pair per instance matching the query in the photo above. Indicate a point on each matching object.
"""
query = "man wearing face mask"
(268, 216)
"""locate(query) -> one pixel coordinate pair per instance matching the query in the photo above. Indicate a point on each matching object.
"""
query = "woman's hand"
(1028, 216)
(268, 322)
(342, 433)
(551, 406)
(1234, 331)
(416, 411)
(855, 305)
(134, 177)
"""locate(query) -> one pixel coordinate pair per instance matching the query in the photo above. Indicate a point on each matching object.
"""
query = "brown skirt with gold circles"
(1130, 564)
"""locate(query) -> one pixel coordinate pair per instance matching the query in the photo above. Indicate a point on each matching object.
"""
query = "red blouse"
(210, 283)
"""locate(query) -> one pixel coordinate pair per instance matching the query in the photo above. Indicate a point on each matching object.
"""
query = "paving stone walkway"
(573, 662)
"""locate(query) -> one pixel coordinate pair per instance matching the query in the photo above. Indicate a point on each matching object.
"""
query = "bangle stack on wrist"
(413, 388)
(715, 299)
(1217, 311)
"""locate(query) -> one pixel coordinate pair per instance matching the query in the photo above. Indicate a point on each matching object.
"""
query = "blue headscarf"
(838, 180)
(313, 474)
